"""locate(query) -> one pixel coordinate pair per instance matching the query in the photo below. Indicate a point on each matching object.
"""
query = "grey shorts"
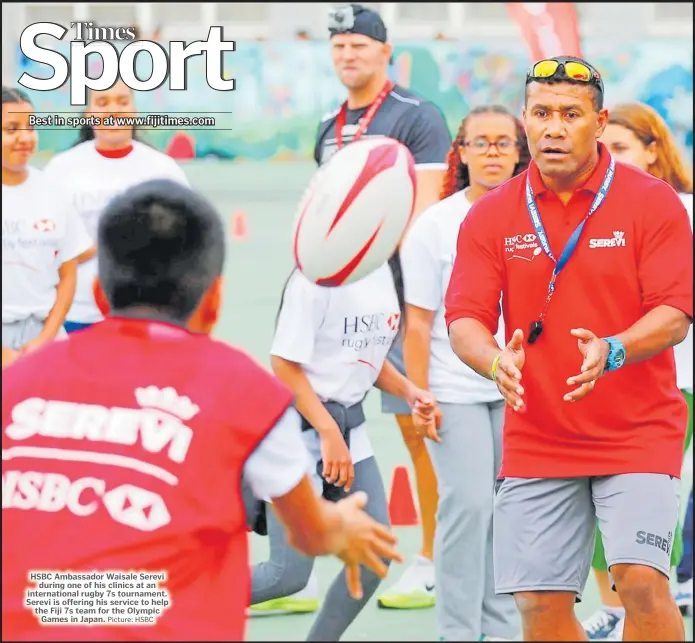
(545, 528)
(16, 334)
(391, 403)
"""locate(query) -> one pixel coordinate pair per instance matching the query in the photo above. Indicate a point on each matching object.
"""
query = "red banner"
(548, 28)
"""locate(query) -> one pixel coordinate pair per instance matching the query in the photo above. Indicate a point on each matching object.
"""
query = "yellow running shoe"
(414, 590)
(304, 601)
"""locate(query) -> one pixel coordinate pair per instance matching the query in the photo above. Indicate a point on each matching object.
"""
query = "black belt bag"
(255, 510)
(347, 418)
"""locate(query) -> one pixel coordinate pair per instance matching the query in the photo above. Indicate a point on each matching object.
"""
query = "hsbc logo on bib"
(52, 492)
(90, 39)
(136, 507)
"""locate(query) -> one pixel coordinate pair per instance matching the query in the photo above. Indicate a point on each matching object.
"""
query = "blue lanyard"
(574, 239)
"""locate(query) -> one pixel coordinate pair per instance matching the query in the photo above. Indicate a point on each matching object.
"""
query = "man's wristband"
(493, 370)
(616, 354)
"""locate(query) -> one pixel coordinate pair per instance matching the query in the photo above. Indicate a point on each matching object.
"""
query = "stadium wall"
(284, 89)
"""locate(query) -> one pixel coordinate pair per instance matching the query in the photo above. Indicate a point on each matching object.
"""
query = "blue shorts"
(71, 327)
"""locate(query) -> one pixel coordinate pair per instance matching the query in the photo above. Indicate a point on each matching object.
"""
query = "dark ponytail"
(282, 298)
(397, 272)
(12, 95)
(86, 134)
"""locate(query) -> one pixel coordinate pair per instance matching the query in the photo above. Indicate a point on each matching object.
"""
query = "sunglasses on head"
(565, 70)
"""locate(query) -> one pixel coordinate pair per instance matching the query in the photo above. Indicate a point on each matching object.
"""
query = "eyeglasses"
(481, 146)
(569, 70)
(341, 19)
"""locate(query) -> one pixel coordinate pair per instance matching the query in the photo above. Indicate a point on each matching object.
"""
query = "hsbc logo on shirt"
(41, 235)
(90, 204)
(522, 246)
(377, 329)
(394, 322)
(52, 492)
(364, 323)
(44, 225)
(519, 239)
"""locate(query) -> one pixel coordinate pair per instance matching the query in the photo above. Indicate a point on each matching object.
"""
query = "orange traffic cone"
(402, 511)
(239, 228)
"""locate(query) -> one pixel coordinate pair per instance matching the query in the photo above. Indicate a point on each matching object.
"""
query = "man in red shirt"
(594, 262)
(123, 446)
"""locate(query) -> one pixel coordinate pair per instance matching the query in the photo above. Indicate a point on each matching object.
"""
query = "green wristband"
(493, 371)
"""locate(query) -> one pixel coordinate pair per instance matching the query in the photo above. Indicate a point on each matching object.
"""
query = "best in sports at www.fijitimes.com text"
(149, 120)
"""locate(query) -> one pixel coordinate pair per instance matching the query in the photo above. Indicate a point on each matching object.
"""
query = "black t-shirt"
(404, 116)
(408, 118)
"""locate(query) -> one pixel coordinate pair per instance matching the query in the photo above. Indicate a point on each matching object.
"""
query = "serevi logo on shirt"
(618, 241)
(90, 39)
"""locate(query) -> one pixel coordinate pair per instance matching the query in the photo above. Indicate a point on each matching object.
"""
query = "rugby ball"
(355, 211)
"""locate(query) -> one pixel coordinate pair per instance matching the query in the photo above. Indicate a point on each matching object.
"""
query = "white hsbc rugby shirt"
(40, 232)
(427, 258)
(341, 337)
(684, 350)
(92, 180)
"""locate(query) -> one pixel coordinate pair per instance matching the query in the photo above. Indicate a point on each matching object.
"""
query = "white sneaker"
(414, 590)
(617, 633)
(304, 601)
(601, 625)
(683, 595)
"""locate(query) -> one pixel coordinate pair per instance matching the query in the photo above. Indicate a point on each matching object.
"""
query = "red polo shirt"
(635, 253)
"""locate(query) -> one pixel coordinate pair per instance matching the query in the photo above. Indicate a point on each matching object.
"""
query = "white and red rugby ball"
(355, 211)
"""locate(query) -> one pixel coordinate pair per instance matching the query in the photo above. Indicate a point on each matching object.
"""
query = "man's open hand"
(595, 351)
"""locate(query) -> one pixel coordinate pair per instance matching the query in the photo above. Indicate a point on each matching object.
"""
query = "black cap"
(354, 18)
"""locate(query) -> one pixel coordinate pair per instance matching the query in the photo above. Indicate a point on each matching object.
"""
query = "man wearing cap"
(375, 106)
(594, 260)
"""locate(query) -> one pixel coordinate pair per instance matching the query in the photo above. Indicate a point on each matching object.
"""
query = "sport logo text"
(115, 64)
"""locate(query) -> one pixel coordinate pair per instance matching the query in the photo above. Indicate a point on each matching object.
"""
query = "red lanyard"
(365, 120)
